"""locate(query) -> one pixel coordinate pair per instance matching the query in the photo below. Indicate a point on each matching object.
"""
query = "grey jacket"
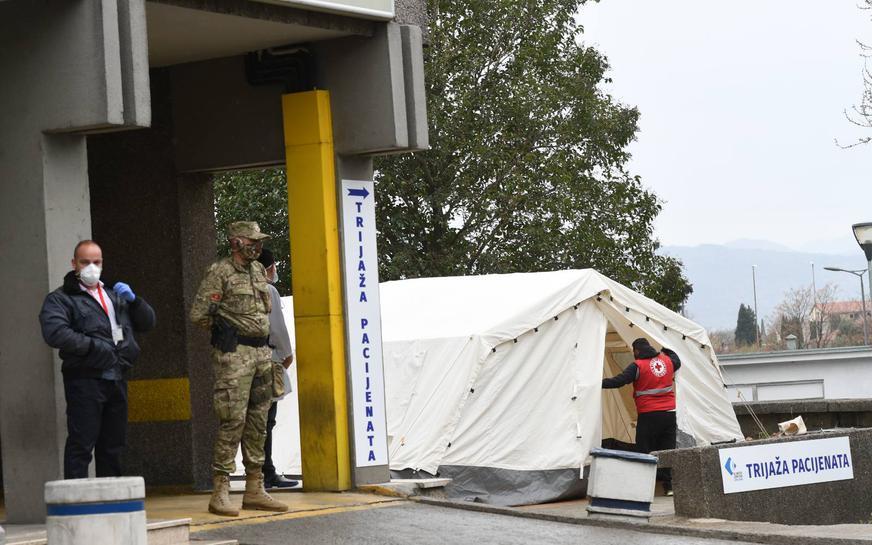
(279, 339)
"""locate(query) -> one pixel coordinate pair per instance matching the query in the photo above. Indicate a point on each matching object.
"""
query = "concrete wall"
(837, 373)
(413, 12)
(157, 232)
(220, 121)
(376, 86)
(697, 482)
(279, 14)
(378, 104)
(818, 414)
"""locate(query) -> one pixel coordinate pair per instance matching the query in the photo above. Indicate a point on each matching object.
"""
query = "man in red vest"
(652, 375)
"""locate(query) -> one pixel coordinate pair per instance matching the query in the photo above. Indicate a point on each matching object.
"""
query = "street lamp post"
(863, 234)
(859, 274)
(756, 316)
(814, 297)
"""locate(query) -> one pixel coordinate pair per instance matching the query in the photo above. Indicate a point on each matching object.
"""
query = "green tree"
(746, 326)
(667, 285)
(527, 166)
(261, 196)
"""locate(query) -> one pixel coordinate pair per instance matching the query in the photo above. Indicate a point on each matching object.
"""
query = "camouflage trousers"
(241, 399)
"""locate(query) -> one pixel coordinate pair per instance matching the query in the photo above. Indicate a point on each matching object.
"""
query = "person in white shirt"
(283, 352)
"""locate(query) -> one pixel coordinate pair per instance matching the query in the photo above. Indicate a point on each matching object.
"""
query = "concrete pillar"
(315, 268)
(45, 206)
(89, 511)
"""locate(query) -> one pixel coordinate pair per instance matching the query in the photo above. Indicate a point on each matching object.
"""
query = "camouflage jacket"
(237, 293)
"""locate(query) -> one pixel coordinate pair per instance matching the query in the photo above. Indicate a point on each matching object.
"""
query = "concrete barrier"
(817, 414)
(699, 490)
(621, 484)
(107, 511)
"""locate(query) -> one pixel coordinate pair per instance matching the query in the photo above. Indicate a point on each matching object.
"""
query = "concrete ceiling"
(177, 35)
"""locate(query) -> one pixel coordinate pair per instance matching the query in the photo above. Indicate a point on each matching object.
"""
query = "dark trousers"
(269, 469)
(96, 421)
(656, 431)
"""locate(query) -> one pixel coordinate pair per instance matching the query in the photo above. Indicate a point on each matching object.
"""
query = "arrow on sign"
(729, 466)
(358, 193)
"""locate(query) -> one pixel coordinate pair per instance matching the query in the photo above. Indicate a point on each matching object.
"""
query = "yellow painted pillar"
(317, 281)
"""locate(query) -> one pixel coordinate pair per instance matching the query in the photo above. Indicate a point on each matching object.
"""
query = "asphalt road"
(410, 523)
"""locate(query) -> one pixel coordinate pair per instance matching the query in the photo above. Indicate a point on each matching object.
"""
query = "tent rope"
(747, 405)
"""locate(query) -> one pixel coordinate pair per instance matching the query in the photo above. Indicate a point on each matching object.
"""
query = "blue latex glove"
(124, 291)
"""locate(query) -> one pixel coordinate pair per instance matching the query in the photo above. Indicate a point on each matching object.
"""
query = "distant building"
(852, 310)
(840, 322)
(825, 373)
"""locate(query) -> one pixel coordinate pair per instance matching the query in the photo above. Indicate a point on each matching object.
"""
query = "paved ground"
(195, 506)
(404, 522)
(763, 532)
(364, 517)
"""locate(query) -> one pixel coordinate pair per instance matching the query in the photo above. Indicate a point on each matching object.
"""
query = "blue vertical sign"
(363, 313)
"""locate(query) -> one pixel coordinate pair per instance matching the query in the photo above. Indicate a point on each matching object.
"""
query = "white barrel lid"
(94, 490)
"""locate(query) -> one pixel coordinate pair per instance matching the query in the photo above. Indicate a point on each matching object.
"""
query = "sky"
(740, 104)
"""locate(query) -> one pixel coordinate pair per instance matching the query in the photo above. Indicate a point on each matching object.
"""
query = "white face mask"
(90, 275)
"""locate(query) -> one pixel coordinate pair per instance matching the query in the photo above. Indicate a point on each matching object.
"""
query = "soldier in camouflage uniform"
(233, 301)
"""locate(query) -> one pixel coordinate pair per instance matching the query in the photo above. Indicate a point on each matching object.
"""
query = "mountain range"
(721, 275)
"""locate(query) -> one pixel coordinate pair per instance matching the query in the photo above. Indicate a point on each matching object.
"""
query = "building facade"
(826, 373)
(115, 115)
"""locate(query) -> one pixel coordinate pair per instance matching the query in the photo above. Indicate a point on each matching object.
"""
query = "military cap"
(247, 229)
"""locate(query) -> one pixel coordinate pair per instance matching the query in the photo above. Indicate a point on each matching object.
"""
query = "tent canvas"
(495, 380)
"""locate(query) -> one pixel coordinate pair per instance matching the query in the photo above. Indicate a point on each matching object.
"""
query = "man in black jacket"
(93, 329)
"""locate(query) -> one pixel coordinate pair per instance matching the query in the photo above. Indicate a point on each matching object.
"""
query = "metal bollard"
(621, 484)
(2, 536)
(107, 511)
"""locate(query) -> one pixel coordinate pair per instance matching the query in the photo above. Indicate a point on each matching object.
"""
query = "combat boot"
(256, 497)
(220, 502)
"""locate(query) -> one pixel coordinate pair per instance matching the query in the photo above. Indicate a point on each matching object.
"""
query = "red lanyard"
(102, 301)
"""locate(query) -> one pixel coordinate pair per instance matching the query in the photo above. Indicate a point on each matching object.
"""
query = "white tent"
(495, 380)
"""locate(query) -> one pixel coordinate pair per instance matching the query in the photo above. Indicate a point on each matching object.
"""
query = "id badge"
(117, 334)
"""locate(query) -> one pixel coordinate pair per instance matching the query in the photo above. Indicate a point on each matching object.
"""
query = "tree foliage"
(261, 196)
(527, 166)
(746, 326)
